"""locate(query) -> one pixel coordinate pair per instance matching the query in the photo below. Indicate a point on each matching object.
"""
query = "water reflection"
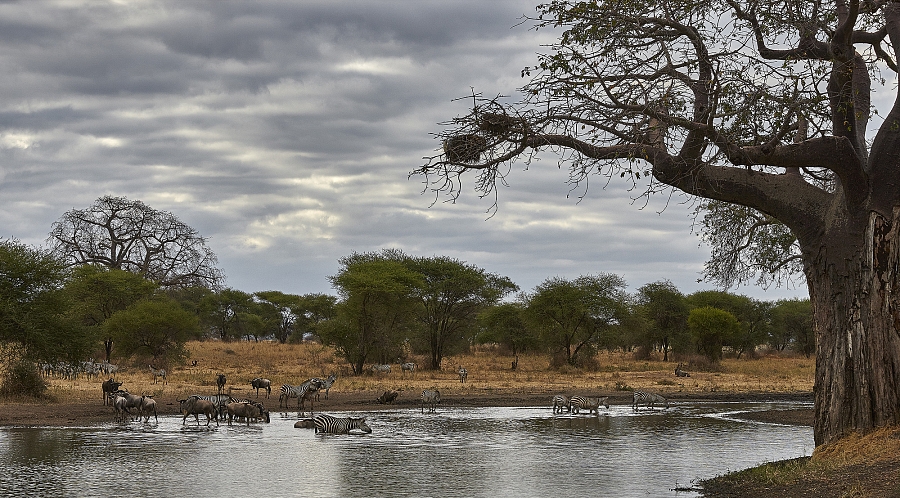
(494, 452)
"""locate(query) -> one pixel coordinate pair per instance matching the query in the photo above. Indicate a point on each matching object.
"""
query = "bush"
(23, 379)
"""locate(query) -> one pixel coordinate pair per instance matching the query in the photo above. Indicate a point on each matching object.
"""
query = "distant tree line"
(389, 306)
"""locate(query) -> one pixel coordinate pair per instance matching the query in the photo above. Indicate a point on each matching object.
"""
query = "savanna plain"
(860, 465)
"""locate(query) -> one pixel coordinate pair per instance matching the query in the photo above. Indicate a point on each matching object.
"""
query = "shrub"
(23, 379)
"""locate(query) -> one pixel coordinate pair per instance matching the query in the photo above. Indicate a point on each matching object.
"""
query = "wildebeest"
(681, 373)
(195, 406)
(108, 387)
(148, 406)
(133, 401)
(220, 383)
(259, 383)
(117, 399)
(430, 397)
(247, 411)
(387, 397)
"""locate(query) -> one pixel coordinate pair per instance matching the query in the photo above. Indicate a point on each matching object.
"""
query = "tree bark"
(857, 316)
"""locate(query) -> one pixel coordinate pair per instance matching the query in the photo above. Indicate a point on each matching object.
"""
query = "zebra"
(431, 397)
(379, 369)
(590, 404)
(259, 383)
(300, 392)
(326, 385)
(648, 399)
(560, 402)
(157, 374)
(463, 374)
(335, 425)
(408, 367)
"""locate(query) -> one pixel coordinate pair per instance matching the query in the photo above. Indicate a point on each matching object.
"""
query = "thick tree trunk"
(856, 304)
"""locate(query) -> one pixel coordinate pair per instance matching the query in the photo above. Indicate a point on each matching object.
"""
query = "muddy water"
(456, 452)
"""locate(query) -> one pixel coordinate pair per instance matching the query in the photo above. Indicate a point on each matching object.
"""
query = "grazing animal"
(408, 367)
(148, 406)
(196, 406)
(326, 385)
(430, 397)
(590, 404)
(300, 392)
(463, 374)
(648, 399)
(259, 383)
(305, 423)
(108, 387)
(335, 425)
(157, 373)
(387, 397)
(117, 399)
(560, 402)
(247, 411)
(385, 368)
(220, 383)
(133, 401)
(681, 373)
(218, 400)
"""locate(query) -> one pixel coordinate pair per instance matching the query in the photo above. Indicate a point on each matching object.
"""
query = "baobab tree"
(764, 105)
(124, 234)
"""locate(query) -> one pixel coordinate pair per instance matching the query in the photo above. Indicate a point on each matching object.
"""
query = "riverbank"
(26, 412)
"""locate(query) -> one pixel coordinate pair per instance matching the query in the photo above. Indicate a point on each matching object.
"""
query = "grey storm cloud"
(285, 133)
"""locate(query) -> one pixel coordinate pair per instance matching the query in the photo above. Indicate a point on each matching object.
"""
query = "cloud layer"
(284, 132)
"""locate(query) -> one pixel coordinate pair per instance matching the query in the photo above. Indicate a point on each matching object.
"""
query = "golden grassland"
(489, 370)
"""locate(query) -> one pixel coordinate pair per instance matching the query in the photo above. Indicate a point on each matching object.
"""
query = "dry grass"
(489, 372)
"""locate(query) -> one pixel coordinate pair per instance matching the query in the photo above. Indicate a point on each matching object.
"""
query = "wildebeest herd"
(223, 406)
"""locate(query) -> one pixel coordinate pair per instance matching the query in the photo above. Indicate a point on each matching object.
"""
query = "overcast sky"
(284, 131)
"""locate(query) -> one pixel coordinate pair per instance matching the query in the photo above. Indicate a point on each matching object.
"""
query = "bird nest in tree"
(465, 148)
(497, 124)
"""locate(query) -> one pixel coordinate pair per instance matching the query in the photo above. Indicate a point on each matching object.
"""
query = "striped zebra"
(430, 397)
(560, 402)
(157, 373)
(326, 385)
(648, 399)
(590, 404)
(300, 392)
(335, 425)
(463, 374)
(381, 368)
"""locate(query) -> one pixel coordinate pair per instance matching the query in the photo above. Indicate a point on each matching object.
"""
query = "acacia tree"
(667, 310)
(129, 235)
(759, 104)
(570, 314)
(451, 295)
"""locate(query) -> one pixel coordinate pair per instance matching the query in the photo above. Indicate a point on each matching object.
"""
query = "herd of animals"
(221, 405)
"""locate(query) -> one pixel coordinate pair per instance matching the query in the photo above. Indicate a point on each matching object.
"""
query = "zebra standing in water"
(648, 399)
(335, 425)
(431, 397)
(560, 402)
(590, 404)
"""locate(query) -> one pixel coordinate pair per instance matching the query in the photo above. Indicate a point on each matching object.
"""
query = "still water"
(456, 452)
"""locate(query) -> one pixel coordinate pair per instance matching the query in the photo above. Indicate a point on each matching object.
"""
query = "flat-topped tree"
(759, 104)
